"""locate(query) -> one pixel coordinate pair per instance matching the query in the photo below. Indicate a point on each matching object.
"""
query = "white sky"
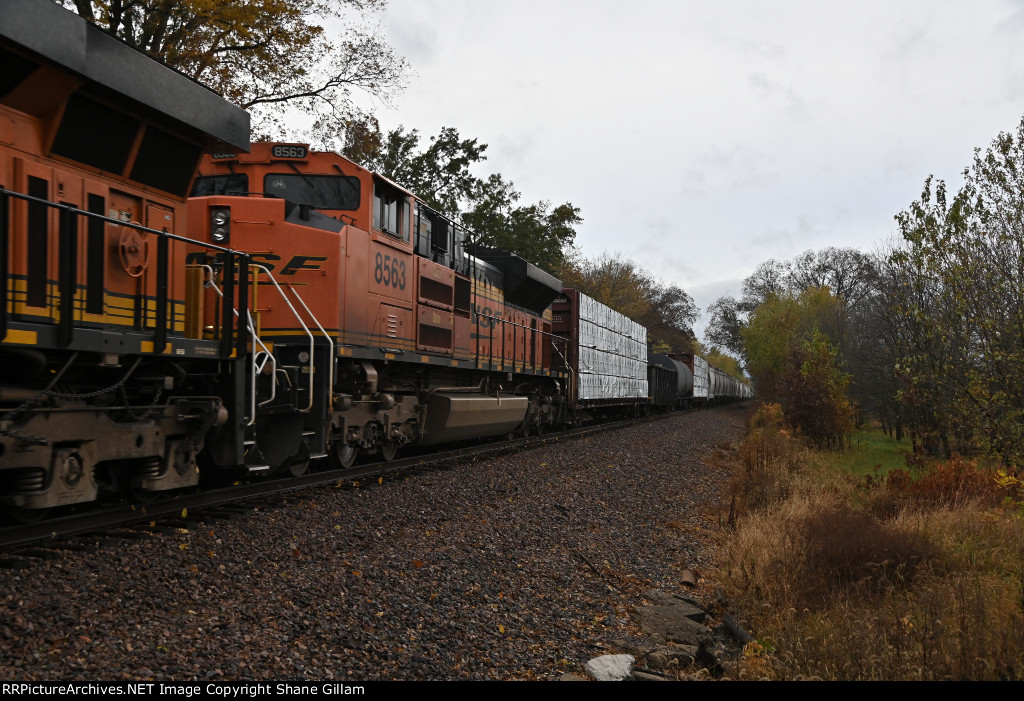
(702, 138)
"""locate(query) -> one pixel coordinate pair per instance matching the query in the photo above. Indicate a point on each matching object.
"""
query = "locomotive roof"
(66, 39)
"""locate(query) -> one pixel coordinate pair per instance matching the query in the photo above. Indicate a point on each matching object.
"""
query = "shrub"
(813, 391)
(954, 481)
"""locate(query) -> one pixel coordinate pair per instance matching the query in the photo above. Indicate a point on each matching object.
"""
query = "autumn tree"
(666, 311)
(265, 55)
(794, 362)
(848, 274)
(776, 326)
(813, 391)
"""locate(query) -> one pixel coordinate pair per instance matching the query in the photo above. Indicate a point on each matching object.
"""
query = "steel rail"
(20, 535)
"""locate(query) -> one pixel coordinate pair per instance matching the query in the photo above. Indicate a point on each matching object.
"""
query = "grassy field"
(845, 570)
(872, 452)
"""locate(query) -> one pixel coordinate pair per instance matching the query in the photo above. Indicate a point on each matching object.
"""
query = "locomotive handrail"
(4, 263)
(257, 368)
(528, 328)
(573, 379)
(166, 234)
(312, 342)
(330, 342)
(67, 251)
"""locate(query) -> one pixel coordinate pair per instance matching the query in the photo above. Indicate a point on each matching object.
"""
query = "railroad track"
(194, 504)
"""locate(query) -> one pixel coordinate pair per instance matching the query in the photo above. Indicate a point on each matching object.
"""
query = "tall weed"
(914, 576)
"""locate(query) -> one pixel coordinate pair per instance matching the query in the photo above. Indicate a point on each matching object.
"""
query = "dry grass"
(853, 579)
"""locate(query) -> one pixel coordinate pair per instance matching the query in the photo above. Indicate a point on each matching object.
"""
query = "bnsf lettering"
(269, 261)
(389, 271)
(302, 263)
(266, 260)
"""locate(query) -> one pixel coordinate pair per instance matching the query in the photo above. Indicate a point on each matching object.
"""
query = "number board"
(288, 151)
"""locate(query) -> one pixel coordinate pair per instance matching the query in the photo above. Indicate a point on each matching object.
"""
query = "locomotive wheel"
(279, 439)
(298, 468)
(299, 464)
(388, 450)
(520, 431)
(345, 455)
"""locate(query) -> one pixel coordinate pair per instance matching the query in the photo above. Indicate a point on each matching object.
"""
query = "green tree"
(540, 233)
(960, 308)
(439, 172)
(264, 55)
(724, 326)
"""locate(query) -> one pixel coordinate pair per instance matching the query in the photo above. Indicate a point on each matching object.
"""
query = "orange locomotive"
(100, 388)
(379, 327)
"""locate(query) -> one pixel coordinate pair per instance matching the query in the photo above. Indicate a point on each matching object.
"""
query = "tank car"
(682, 390)
(663, 385)
(101, 387)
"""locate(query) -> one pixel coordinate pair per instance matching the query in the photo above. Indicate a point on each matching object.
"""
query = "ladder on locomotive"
(263, 357)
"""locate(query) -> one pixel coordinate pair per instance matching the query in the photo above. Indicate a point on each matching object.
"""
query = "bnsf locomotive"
(376, 327)
(176, 302)
(101, 388)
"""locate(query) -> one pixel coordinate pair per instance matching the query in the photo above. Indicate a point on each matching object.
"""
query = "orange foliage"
(951, 482)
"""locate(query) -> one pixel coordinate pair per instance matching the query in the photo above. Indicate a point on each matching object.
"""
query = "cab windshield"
(317, 191)
(233, 185)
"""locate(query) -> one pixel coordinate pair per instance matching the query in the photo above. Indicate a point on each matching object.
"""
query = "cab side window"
(391, 211)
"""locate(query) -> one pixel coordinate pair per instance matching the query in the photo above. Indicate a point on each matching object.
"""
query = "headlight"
(220, 224)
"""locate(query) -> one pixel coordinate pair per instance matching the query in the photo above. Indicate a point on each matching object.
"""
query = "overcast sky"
(701, 139)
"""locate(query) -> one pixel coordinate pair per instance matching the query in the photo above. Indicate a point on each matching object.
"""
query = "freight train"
(179, 304)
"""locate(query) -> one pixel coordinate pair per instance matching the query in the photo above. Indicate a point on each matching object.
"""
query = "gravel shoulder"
(519, 567)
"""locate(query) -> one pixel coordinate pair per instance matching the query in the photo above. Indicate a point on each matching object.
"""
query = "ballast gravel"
(523, 566)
